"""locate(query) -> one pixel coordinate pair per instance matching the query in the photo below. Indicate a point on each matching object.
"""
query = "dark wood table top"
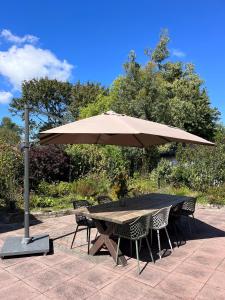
(133, 207)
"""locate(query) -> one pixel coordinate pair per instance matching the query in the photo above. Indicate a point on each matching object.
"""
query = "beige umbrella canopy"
(111, 128)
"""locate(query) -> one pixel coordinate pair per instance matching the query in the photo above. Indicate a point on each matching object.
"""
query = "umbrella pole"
(26, 238)
(15, 246)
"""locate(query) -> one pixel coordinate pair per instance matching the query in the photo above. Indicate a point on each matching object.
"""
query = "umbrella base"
(14, 246)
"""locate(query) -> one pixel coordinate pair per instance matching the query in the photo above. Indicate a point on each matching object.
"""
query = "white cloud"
(7, 35)
(178, 53)
(5, 97)
(27, 62)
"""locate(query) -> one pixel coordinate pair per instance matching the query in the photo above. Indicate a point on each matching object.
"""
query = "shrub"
(162, 173)
(37, 201)
(64, 188)
(120, 185)
(200, 167)
(54, 189)
(216, 195)
(91, 185)
(96, 159)
(48, 163)
(141, 185)
(10, 172)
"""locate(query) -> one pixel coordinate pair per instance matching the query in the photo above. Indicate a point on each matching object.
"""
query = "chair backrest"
(104, 199)
(189, 205)
(176, 208)
(80, 203)
(140, 227)
(160, 218)
(135, 230)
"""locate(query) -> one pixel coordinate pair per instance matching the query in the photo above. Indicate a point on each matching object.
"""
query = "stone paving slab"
(194, 270)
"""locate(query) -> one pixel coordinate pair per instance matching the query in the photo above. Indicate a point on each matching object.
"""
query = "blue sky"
(90, 40)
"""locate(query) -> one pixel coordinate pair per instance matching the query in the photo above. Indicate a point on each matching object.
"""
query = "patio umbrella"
(111, 128)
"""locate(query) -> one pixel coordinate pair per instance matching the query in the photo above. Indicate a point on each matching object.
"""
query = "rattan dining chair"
(188, 209)
(175, 220)
(158, 221)
(134, 231)
(82, 221)
(103, 199)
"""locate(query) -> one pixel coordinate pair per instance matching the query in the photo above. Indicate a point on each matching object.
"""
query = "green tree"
(84, 94)
(8, 124)
(161, 52)
(9, 131)
(48, 101)
(188, 105)
(102, 104)
(166, 92)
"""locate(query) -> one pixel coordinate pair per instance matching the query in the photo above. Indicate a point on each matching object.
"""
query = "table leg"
(106, 230)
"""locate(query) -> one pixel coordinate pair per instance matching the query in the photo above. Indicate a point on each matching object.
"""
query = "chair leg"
(194, 223)
(131, 248)
(181, 232)
(75, 233)
(117, 251)
(140, 244)
(175, 232)
(189, 225)
(158, 236)
(149, 248)
(137, 255)
(151, 236)
(89, 238)
(168, 239)
(87, 233)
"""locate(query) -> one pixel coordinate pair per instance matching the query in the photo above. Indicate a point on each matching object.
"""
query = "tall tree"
(48, 101)
(161, 52)
(84, 94)
(166, 92)
(9, 124)
(9, 131)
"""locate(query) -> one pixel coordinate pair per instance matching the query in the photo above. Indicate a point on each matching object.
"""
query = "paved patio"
(195, 270)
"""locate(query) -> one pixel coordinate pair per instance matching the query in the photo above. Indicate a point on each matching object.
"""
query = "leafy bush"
(162, 173)
(96, 159)
(54, 189)
(200, 167)
(48, 163)
(41, 201)
(141, 185)
(91, 185)
(10, 172)
(216, 195)
(63, 188)
(120, 185)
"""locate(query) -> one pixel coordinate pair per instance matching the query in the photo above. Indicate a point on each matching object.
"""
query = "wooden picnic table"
(107, 215)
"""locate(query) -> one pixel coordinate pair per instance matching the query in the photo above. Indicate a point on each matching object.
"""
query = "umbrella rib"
(138, 140)
(98, 138)
(168, 141)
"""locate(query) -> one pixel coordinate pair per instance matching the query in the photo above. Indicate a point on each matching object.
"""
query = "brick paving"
(194, 270)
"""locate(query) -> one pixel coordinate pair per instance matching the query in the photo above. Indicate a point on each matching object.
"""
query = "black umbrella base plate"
(14, 246)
